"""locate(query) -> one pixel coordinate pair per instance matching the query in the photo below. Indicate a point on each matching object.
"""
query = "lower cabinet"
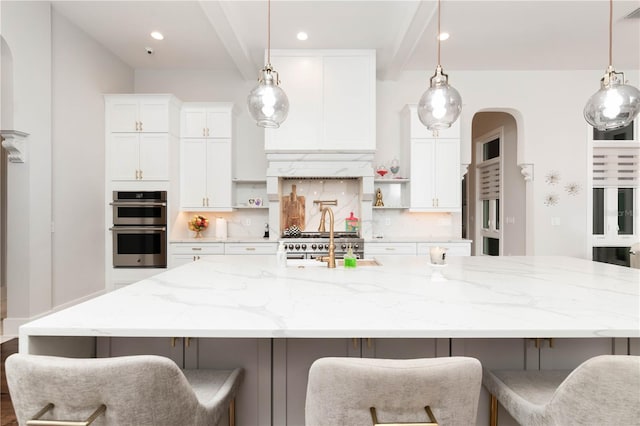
(527, 354)
(253, 402)
(292, 359)
(183, 253)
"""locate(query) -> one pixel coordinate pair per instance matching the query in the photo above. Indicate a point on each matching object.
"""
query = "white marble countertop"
(249, 296)
(417, 240)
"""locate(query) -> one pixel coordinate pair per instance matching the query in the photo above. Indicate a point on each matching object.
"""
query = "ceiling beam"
(406, 45)
(215, 13)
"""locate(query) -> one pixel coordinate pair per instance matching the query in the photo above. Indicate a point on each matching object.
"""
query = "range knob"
(326, 246)
(344, 246)
(290, 246)
(356, 246)
(297, 246)
(314, 246)
(304, 247)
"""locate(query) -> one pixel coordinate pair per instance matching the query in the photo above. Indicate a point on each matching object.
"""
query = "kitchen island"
(247, 311)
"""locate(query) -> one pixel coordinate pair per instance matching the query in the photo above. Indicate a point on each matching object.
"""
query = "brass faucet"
(331, 259)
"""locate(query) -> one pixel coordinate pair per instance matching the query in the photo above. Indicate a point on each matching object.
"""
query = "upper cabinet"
(142, 113)
(139, 134)
(206, 157)
(435, 183)
(332, 101)
(199, 120)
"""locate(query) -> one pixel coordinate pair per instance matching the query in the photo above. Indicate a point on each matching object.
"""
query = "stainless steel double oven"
(139, 229)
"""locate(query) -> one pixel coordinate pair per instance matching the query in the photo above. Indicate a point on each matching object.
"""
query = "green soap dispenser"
(350, 259)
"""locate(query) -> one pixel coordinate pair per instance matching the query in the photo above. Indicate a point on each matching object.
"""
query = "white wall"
(26, 28)
(82, 72)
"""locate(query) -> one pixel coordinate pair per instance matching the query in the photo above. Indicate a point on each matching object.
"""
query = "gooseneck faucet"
(331, 259)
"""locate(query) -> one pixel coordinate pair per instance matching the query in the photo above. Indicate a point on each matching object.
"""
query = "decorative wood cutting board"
(292, 210)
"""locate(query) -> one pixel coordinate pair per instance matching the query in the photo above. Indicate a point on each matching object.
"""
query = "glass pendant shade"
(441, 104)
(615, 105)
(267, 102)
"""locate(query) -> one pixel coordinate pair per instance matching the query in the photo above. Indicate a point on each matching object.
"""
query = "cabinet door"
(193, 173)
(399, 348)
(123, 116)
(219, 173)
(422, 183)
(154, 156)
(218, 124)
(194, 123)
(153, 115)
(349, 102)
(448, 187)
(125, 150)
(569, 353)
(123, 346)
(253, 401)
(302, 82)
(299, 355)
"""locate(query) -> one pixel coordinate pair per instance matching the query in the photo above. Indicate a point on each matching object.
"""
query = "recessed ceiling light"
(302, 36)
(157, 35)
(443, 36)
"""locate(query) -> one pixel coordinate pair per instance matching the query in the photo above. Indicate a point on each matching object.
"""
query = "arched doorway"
(496, 192)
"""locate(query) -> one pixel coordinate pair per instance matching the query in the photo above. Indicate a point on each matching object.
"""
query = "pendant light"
(616, 104)
(441, 104)
(267, 102)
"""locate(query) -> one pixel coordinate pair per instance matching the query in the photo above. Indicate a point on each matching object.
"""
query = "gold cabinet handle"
(196, 248)
(187, 342)
(250, 248)
(207, 201)
(137, 126)
(369, 342)
(202, 201)
(140, 174)
(173, 342)
(141, 126)
(355, 343)
(204, 131)
(390, 248)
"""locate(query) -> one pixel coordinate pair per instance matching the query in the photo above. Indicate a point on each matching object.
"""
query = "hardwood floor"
(7, 416)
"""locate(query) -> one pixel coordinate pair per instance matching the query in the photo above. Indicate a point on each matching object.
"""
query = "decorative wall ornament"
(14, 141)
(552, 178)
(572, 188)
(526, 170)
(551, 200)
(464, 168)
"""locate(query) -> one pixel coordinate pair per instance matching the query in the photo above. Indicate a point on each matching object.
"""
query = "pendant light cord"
(269, 32)
(610, 32)
(438, 37)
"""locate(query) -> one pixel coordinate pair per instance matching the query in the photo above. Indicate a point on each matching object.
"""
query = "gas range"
(309, 245)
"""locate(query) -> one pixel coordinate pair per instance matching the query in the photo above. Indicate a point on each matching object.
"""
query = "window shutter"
(489, 180)
(616, 167)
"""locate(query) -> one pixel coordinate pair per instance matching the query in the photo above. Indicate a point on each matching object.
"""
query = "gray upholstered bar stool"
(131, 390)
(363, 391)
(604, 390)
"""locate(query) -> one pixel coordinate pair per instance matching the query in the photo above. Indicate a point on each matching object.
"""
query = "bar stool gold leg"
(493, 411)
(232, 412)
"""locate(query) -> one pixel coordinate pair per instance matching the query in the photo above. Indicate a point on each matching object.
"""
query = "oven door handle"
(137, 204)
(138, 228)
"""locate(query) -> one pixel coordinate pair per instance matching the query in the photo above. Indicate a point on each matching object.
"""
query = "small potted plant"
(198, 224)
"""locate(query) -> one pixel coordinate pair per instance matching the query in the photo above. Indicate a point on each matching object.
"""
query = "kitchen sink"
(312, 263)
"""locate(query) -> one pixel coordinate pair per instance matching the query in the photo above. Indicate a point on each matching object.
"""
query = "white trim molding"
(526, 169)
(464, 168)
(14, 141)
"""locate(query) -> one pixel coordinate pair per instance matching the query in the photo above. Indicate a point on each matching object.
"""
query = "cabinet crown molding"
(14, 141)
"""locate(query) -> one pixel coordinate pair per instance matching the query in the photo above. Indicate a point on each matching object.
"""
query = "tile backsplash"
(345, 191)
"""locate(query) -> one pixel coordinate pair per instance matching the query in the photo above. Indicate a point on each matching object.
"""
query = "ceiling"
(230, 35)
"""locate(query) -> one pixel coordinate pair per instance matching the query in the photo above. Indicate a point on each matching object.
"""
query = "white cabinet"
(332, 100)
(373, 248)
(434, 166)
(183, 253)
(251, 248)
(206, 162)
(203, 120)
(143, 156)
(462, 248)
(205, 174)
(140, 130)
(141, 113)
